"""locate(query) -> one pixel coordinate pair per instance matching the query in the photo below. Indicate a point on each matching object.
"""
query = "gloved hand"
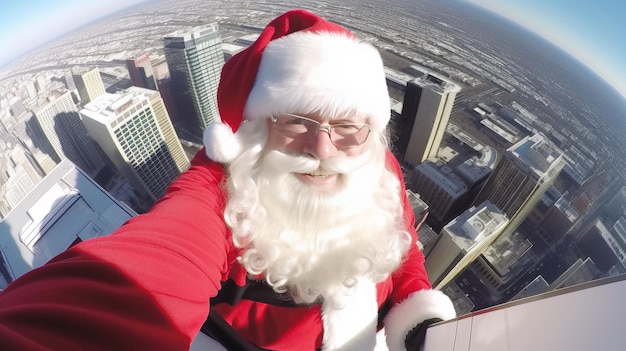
(415, 337)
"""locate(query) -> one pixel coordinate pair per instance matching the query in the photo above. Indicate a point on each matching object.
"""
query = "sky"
(28, 24)
(594, 31)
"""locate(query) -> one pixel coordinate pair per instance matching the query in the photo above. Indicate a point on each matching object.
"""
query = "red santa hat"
(300, 64)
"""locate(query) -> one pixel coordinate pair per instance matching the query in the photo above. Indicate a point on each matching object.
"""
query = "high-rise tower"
(89, 83)
(521, 177)
(134, 130)
(60, 122)
(140, 72)
(428, 102)
(460, 238)
(195, 60)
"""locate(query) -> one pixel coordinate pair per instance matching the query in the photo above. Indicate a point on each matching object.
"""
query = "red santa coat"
(147, 286)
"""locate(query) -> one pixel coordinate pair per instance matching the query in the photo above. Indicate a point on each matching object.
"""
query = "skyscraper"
(460, 238)
(195, 60)
(428, 102)
(66, 207)
(439, 187)
(134, 130)
(22, 177)
(88, 82)
(522, 176)
(140, 72)
(61, 124)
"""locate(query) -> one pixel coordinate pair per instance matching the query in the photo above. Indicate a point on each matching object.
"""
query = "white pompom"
(221, 144)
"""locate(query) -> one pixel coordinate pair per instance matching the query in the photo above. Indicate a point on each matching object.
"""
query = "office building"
(134, 130)
(141, 72)
(616, 207)
(439, 187)
(559, 219)
(22, 177)
(521, 177)
(579, 272)
(66, 207)
(88, 83)
(34, 140)
(16, 107)
(459, 242)
(598, 243)
(195, 60)
(61, 124)
(619, 230)
(502, 262)
(428, 102)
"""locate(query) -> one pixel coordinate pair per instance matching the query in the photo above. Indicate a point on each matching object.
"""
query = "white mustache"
(283, 162)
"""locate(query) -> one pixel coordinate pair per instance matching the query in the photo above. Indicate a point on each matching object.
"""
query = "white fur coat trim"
(406, 315)
(353, 327)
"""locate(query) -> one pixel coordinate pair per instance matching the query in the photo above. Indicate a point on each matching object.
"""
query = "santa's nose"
(320, 146)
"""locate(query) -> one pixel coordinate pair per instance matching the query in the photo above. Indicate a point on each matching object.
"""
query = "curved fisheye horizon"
(505, 124)
(590, 31)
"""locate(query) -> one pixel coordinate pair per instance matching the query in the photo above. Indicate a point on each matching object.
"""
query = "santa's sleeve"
(413, 299)
(145, 287)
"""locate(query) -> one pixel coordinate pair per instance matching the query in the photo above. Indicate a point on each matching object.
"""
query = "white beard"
(314, 243)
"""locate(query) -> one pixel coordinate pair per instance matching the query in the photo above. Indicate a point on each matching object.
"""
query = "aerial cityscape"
(512, 150)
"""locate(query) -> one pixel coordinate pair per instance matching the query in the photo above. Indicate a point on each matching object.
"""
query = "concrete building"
(503, 261)
(66, 207)
(140, 72)
(231, 50)
(616, 207)
(88, 82)
(22, 177)
(195, 59)
(598, 243)
(439, 187)
(134, 130)
(428, 102)
(459, 240)
(558, 221)
(579, 272)
(521, 177)
(619, 230)
(34, 140)
(16, 107)
(60, 122)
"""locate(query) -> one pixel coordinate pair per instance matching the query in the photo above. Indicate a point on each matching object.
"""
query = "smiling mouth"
(317, 175)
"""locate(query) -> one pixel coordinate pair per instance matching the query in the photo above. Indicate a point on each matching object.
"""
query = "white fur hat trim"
(325, 72)
(222, 145)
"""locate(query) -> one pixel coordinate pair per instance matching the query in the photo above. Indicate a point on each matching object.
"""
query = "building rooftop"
(247, 39)
(187, 34)
(475, 224)
(397, 77)
(65, 207)
(506, 251)
(443, 177)
(536, 152)
(107, 106)
(566, 208)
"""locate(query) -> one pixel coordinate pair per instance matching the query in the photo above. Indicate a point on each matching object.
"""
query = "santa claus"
(292, 224)
(316, 202)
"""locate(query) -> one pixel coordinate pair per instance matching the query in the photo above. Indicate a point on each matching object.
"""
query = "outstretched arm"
(146, 286)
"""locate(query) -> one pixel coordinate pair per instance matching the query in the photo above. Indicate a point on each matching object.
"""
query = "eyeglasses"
(341, 134)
